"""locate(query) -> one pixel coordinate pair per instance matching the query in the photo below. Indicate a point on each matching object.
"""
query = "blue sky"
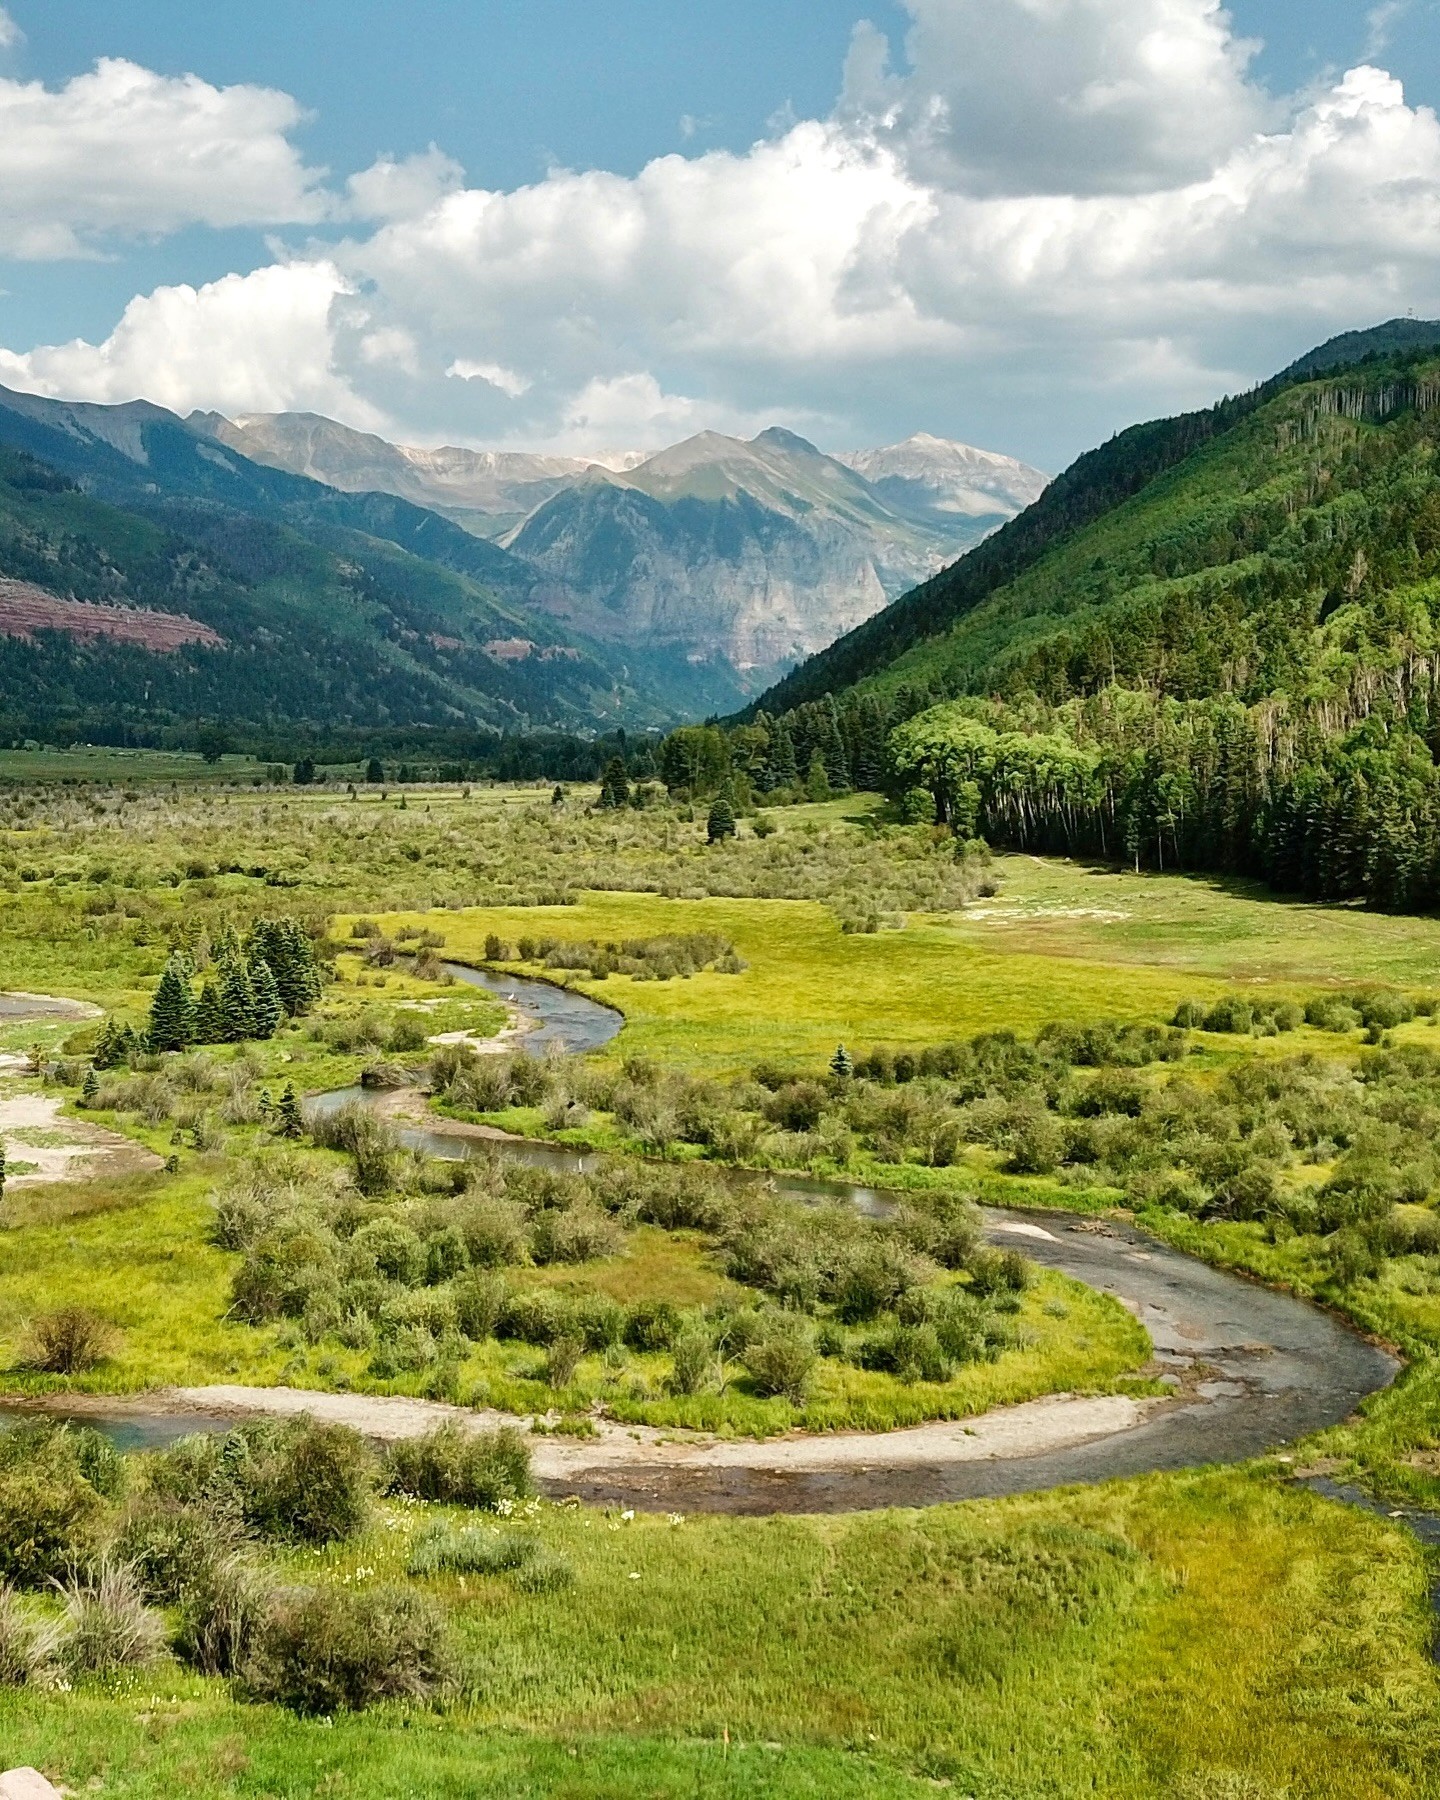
(911, 338)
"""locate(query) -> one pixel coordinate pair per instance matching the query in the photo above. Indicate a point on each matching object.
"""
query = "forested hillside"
(1214, 643)
(350, 630)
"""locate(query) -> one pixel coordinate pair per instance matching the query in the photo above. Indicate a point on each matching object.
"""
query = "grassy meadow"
(1212, 1635)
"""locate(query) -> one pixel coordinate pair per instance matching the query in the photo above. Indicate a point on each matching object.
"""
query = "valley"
(1016, 1004)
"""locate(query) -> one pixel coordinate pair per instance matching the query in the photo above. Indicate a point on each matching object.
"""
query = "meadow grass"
(810, 986)
(138, 1252)
(1215, 1634)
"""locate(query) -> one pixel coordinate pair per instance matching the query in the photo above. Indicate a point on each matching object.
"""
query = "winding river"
(1250, 1369)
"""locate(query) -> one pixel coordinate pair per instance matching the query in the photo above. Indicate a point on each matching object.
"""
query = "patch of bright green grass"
(810, 986)
(1208, 1634)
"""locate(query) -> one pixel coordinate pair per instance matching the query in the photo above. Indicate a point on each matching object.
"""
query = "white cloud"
(1380, 21)
(265, 342)
(1140, 228)
(1058, 96)
(391, 189)
(125, 151)
(505, 380)
(10, 32)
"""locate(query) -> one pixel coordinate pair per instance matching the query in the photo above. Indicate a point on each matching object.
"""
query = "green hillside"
(349, 630)
(1213, 643)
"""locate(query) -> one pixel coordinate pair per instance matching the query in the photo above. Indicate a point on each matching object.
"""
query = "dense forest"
(1233, 666)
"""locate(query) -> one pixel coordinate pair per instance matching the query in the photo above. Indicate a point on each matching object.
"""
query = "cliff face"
(758, 553)
(740, 557)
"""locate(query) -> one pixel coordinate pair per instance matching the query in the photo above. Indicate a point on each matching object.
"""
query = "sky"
(551, 225)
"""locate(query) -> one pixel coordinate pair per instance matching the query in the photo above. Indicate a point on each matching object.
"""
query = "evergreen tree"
(90, 1088)
(209, 1015)
(237, 1002)
(2, 1168)
(614, 784)
(267, 1011)
(721, 822)
(558, 797)
(784, 770)
(172, 1011)
(840, 1064)
(374, 771)
(304, 772)
(289, 1121)
(817, 781)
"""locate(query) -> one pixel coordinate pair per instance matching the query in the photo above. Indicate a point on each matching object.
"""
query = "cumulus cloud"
(1139, 227)
(121, 150)
(1058, 96)
(507, 381)
(264, 342)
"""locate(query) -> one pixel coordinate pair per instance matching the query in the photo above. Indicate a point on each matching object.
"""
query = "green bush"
(28, 1643)
(910, 1352)
(782, 1361)
(291, 1479)
(469, 1551)
(545, 1573)
(51, 1515)
(108, 1626)
(461, 1468)
(223, 1609)
(332, 1649)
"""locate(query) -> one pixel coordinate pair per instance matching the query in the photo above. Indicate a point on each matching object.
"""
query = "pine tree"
(784, 770)
(90, 1089)
(614, 785)
(374, 771)
(840, 1064)
(289, 1121)
(237, 1003)
(817, 781)
(267, 1011)
(558, 797)
(172, 1012)
(2, 1168)
(721, 823)
(209, 1015)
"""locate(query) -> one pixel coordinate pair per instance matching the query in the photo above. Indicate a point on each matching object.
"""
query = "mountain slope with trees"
(1213, 643)
(335, 609)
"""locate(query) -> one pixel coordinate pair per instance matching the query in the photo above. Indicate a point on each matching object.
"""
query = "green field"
(1214, 1635)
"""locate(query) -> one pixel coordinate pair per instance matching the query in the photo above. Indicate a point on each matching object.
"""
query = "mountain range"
(639, 594)
(738, 557)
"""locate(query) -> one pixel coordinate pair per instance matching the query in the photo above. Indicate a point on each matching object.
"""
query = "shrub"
(496, 1232)
(293, 1479)
(68, 1341)
(652, 1325)
(545, 1573)
(572, 1234)
(461, 1468)
(782, 1361)
(391, 1248)
(562, 1359)
(696, 1368)
(328, 1650)
(308, 1482)
(468, 1551)
(50, 1512)
(223, 1609)
(911, 1352)
(28, 1644)
(170, 1547)
(108, 1625)
(999, 1272)
(479, 1301)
